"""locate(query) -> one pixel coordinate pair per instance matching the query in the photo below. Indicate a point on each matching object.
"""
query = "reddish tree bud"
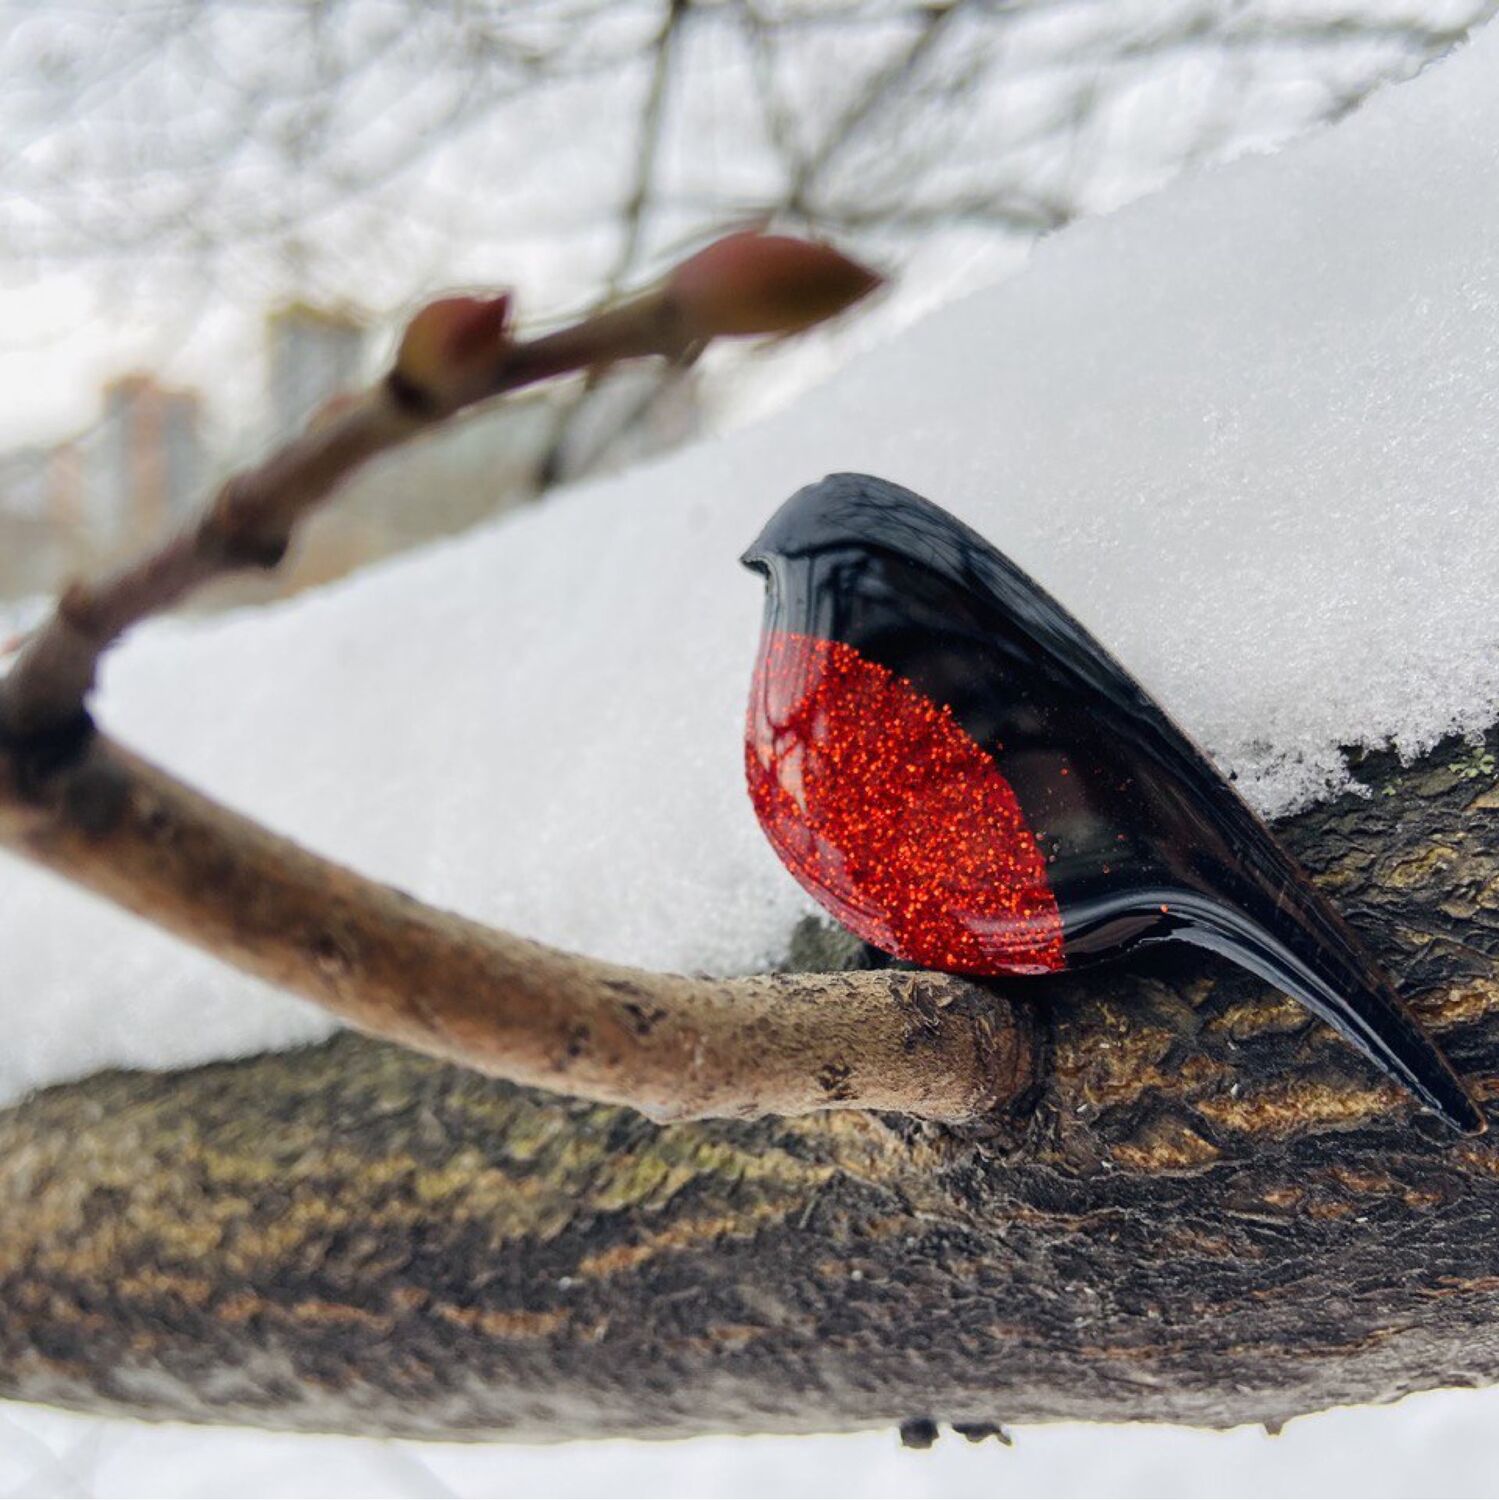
(452, 347)
(749, 283)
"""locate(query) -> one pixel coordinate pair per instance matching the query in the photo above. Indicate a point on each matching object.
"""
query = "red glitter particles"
(897, 821)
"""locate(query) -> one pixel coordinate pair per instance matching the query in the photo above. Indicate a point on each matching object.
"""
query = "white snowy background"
(1442, 1444)
(1245, 428)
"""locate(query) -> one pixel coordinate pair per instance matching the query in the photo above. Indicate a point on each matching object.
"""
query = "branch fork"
(672, 1047)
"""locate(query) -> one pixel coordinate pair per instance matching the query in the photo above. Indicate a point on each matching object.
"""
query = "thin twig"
(673, 1047)
(251, 521)
(647, 148)
(633, 228)
(889, 83)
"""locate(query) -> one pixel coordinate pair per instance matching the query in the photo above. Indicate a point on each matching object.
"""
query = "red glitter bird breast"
(887, 812)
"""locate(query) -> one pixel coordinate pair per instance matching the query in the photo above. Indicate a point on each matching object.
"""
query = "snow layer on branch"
(1248, 430)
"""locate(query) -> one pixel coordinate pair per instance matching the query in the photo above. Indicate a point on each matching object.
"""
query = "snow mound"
(1247, 430)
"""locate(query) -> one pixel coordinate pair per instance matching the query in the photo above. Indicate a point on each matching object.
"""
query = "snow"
(1439, 1444)
(1246, 430)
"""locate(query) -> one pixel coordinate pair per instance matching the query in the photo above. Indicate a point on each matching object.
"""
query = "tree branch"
(249, 524)
(671, 1047)
(457, 352)
(1215, 1213)
(251, 521)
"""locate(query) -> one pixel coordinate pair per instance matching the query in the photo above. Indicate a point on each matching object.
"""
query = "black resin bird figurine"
(966, 779)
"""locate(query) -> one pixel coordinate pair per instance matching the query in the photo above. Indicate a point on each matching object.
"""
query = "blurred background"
(213, 216)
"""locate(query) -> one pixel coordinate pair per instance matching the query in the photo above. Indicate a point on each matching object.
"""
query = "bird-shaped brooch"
(962, 776)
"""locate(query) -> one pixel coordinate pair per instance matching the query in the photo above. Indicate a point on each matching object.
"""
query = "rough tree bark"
(1209, 1211)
